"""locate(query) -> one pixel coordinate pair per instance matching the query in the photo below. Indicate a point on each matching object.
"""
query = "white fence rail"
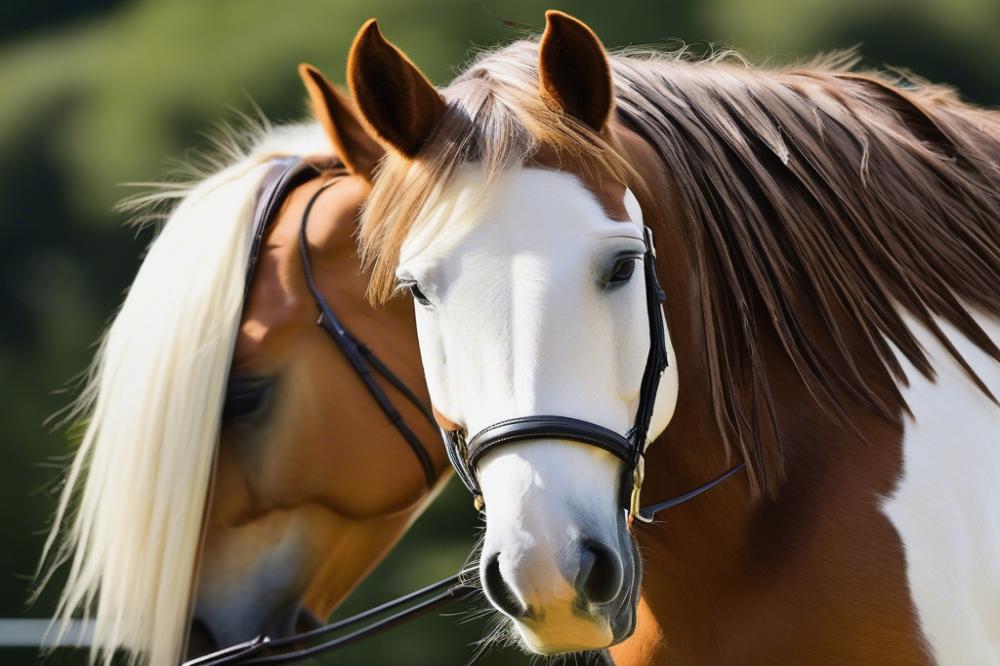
(31, 633)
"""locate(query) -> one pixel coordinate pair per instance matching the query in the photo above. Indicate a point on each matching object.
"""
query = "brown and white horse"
(829, 243)
(309, 485)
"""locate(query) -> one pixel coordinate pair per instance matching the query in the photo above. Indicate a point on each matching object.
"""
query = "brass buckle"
(634, 505)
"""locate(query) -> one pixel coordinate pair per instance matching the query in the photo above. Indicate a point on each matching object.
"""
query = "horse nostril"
(499, 591)
(601, 573)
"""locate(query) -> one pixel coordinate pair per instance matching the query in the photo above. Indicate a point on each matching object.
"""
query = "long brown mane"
(862, 195)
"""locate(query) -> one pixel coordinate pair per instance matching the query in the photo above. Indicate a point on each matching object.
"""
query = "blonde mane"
(129, 519)
(810, 193)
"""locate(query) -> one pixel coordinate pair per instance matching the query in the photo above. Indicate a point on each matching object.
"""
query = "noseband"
(627, 447)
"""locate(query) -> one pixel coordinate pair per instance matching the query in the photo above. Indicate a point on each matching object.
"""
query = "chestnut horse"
(309, 485)
(829, 246)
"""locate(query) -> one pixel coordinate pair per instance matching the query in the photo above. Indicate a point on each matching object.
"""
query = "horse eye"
(623, 270)
(247, 397)
(418, 295)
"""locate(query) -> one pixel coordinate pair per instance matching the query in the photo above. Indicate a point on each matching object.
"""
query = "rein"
(427, 599)
(414, 604)
(291, 172)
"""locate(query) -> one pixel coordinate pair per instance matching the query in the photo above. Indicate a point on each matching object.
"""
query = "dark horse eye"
(623, 270)
(247, 397)
(418, 295)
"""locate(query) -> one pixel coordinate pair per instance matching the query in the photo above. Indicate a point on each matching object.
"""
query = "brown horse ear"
(400, 105)
(573, 70)
(353, 144)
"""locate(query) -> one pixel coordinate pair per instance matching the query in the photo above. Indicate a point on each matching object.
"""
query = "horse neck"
(689, 452)
(727, 544)
(817, 561)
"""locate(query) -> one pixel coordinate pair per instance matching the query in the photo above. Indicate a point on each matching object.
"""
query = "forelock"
(495, 116)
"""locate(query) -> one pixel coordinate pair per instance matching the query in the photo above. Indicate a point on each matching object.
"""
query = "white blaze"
(522, 322)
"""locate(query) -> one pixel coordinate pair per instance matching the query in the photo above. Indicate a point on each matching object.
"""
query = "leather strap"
(287, 174)
(363, 359)
(546, 426)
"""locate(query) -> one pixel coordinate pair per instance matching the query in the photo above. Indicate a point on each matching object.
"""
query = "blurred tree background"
(101, 92)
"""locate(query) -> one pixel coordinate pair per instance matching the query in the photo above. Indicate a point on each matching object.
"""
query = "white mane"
(129, 519)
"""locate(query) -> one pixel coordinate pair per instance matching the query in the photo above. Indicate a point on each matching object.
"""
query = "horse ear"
(353, 144)
(573, 70)
(400, 105)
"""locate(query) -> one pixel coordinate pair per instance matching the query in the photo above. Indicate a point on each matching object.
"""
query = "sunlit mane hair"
(808, 193)
(129, 519)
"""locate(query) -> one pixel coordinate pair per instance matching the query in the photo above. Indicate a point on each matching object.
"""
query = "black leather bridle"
(628, 447)
(286, 175)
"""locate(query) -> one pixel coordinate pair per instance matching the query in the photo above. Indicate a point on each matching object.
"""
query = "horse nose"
(212, 631)
(498, 591)
(601, 574)
(594, 575)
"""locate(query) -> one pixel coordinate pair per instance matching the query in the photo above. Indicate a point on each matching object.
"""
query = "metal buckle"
(650, 244)
(634, 505)
(461, 445)
(462, 449)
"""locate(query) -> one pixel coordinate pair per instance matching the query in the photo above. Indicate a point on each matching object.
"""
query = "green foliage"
(102, 93)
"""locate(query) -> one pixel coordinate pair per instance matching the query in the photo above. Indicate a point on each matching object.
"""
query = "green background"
(104, 92)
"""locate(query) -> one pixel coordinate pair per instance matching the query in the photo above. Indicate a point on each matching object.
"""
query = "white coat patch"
(946, 506)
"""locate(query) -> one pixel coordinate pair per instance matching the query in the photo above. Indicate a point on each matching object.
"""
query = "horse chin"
(555, 642)
(589, 629)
